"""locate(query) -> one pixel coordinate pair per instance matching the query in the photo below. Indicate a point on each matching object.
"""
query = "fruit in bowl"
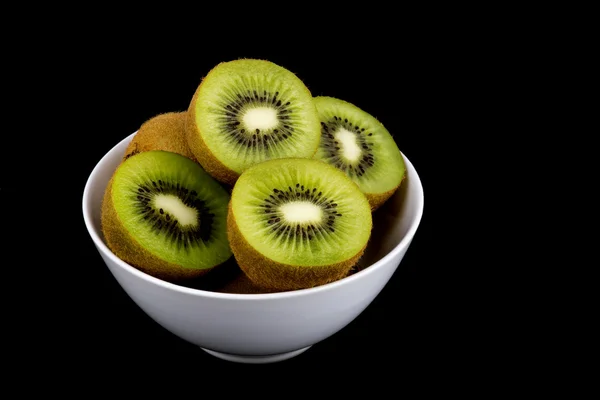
(253, 209)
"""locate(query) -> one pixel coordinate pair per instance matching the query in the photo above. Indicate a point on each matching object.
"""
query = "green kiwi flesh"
(296, 223)
(164, 131)
(163, 214)
(355, 142)
(247, 111)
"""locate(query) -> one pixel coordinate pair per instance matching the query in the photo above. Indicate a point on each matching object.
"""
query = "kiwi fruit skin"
(376, 199)
(268, 275)
(128, 250)
(165, 131)
(241, 284)
(198, 146)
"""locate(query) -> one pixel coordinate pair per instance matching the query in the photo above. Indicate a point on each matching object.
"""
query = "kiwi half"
(247, 111)
(163, 214)
(357, 143)
(162, 132)
(297, 223)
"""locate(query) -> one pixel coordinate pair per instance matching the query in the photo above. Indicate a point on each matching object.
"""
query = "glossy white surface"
(269, 327)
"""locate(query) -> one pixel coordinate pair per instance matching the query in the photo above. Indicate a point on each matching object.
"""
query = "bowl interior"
(394, 223)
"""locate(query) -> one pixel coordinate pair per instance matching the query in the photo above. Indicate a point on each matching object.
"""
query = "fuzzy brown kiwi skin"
(205, 157)
(272, 275)
(165, 131)
(128, 250)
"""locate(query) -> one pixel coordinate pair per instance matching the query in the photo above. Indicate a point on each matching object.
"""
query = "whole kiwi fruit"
(165, 131)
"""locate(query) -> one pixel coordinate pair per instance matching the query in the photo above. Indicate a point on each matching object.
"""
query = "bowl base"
(256, 359)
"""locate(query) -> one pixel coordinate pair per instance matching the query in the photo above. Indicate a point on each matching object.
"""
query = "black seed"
(276, 191)
(161, 211)
(168, 217)
(370, 134)
(243, 131)
(297, 184)
(257, 130)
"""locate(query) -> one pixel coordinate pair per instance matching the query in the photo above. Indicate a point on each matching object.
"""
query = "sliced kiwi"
(297, 223)
(164, 131)
(163, 214)
(247, 111)
(357, 143)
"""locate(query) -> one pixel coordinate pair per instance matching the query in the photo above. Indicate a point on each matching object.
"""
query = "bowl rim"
(95, 235)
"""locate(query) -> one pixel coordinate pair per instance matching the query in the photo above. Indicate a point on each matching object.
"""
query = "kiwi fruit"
(165, 131)
(247, 111)
(163, 214)
(296, 223)
(357, 143)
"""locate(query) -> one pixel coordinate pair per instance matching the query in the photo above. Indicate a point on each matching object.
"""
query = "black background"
(421, 321)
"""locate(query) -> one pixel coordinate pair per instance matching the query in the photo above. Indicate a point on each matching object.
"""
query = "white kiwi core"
(173, 205)
(349, 148)
(301, 212)
(260, 118)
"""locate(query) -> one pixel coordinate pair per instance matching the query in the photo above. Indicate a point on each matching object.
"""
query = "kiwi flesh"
(165, 131)
(246, 111)
(296, 223)
(163, 214)
(357, 143)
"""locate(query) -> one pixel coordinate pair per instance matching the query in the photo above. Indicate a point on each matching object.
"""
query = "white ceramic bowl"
(261, 328)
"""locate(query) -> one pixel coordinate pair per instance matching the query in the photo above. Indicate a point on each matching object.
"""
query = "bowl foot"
(256, 359)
